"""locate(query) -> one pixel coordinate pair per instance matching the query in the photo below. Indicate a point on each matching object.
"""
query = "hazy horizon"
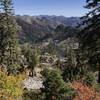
(45, 15)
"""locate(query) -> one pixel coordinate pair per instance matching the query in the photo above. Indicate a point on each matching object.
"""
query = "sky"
(66, 8)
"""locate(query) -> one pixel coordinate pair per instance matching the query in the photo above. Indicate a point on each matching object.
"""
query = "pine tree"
(31, 54)
(54, 86)
(90, 35)
(9, 51)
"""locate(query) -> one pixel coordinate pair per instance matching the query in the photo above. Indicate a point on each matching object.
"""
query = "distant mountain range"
(36, 28)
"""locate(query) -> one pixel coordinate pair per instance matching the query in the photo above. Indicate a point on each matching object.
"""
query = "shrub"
(10, 86)
(54, 86)
(89, 79)
(32, 95)
(97, 87)
(84, 92)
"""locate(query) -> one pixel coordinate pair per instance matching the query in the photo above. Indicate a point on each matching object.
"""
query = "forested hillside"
(49, 57)
(38, 28)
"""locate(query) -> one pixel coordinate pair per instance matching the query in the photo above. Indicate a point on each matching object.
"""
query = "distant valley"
(39, 28)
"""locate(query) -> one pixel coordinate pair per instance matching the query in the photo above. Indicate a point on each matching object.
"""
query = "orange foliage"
(84, 92)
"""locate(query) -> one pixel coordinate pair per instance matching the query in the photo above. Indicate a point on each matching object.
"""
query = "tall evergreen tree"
(90, 35)
(8, 36)
(31, 54)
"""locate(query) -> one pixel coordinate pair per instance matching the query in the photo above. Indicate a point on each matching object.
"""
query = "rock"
(33, 83)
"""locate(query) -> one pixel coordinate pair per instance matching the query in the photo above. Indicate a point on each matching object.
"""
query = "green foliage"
(31, 55)
(55, 87)
(9, 48)
(90, 34)
(62, 32)
(89, 79)
(74, 70)
(10, 86)
(71, 73)
(32, 95)
(51, 48)
(97, 87)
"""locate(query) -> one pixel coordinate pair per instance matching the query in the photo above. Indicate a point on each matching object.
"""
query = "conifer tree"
(90, 35)
(54, 86)
(31, 54)
(8, 36)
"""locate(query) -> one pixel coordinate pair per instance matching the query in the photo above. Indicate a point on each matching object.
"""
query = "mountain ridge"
(34, 28)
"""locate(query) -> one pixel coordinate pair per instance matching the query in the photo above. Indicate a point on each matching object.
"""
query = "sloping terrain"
(38, 28)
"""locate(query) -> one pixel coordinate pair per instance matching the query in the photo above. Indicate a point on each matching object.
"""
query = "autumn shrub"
(84, 92)
(11, 86)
